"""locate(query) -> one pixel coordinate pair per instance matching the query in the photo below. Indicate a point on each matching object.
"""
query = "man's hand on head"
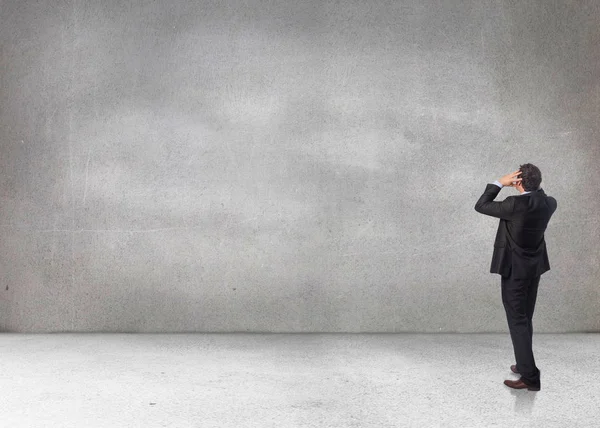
(511, 179)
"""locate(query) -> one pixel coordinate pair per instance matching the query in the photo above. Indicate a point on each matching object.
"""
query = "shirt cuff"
(497, 183)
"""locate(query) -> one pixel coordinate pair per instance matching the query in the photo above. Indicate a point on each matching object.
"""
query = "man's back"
(532, 214)
(519, 246)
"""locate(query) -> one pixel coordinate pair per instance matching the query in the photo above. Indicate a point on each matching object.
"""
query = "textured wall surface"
(298, 166)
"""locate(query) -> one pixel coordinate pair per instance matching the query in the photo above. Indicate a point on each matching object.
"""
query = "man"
(520, 257)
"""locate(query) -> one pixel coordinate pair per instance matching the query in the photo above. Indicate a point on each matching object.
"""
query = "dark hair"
(531, 175)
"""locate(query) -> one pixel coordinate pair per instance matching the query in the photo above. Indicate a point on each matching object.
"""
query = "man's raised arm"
(504, 209)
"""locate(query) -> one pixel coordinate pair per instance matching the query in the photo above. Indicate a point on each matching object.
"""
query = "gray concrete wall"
(297, 166)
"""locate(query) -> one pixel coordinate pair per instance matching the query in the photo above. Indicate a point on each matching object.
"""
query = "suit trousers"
(518, 297)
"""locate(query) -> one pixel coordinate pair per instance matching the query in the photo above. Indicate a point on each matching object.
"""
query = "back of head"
(532, 177)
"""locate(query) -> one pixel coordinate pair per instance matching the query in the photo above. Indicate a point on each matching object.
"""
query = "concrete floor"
(292, 380)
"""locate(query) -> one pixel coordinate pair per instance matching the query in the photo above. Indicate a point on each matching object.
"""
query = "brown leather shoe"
(519, 384)
(514, 369)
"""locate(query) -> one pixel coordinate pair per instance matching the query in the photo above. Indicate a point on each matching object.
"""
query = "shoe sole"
(529, 388)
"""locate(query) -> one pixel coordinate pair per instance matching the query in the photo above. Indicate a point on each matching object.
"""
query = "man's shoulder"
(520, 203)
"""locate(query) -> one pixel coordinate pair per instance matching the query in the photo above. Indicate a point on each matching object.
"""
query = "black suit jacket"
(520, 247)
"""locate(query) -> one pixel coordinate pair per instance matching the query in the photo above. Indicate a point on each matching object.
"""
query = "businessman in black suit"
(520, 257)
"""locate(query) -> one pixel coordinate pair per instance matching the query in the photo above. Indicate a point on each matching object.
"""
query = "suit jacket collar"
(538, 192)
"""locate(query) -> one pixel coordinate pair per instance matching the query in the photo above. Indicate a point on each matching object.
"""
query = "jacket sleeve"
(486, 205)
(553, 204)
